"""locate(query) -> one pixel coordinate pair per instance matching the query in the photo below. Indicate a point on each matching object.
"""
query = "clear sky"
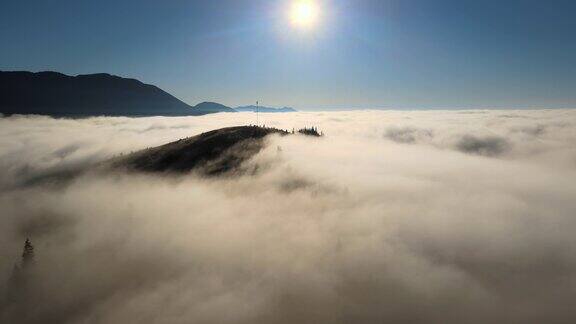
(359, 54)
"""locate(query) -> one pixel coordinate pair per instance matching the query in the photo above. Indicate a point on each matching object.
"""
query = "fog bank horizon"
(402, 216)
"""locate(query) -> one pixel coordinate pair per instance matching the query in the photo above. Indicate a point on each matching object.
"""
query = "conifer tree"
(27, 253)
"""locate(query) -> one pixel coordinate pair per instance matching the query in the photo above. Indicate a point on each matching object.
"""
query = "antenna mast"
(257, 123)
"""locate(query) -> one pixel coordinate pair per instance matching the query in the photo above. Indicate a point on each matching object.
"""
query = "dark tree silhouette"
(19, 285)
(312, 131)
(27, 253)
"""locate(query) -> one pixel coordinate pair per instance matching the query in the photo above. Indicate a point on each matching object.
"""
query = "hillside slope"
(57, 94)
(210, 153)
(212, 107)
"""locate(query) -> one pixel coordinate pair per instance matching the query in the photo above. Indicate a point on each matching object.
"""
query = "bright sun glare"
(304, 13)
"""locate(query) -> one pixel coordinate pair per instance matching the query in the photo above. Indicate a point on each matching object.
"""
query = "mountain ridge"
(263, 109)
(212, 107)
(215, 152)
(100, 94)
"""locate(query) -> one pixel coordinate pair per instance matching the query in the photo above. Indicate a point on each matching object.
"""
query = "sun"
(304, 13)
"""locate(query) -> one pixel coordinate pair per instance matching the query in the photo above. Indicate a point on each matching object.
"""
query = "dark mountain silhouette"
(57, 94)
(212, 107)
(264, 109)
(210, 153)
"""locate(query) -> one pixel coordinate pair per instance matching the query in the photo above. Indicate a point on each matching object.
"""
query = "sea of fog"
(392, 217)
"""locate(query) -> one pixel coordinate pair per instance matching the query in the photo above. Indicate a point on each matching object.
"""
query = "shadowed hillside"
(210, 153)
(212, 107)
(57, 94)
(213, 153)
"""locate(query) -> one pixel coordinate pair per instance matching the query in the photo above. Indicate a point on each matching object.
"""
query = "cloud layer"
(417, 217)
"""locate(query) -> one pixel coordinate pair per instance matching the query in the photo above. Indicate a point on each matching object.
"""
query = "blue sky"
(362, 53)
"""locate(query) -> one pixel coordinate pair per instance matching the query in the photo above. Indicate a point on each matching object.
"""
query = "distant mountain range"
(212, 107)
(57, 94)
(264, 109)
